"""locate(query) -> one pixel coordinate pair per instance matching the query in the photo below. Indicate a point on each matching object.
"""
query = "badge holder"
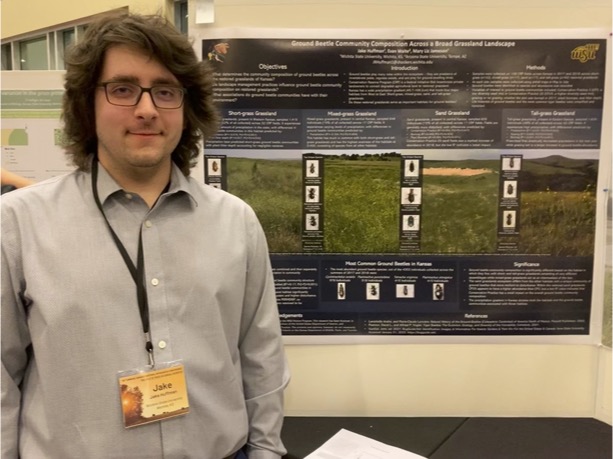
(152, 395)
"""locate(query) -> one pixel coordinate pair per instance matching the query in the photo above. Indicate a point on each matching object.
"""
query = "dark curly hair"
(156, 36)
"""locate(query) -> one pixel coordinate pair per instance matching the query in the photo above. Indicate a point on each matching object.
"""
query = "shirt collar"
(108, 186)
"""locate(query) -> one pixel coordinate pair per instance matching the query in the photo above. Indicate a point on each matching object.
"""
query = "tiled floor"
(461, 438)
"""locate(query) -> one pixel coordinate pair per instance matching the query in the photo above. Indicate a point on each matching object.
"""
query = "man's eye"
(166, 93)
(122, 90)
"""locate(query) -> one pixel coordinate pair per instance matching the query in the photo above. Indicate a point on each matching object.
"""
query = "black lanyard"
(137, 272)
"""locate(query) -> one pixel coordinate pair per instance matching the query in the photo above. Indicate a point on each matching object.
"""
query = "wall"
(51, 13)
(443, 380)
(414, 13)
(334, 13)
(410, 379)
(603, 396)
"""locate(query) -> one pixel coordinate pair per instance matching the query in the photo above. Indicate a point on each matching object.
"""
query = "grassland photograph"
(273, 188)
(361, 196)
(558, 206)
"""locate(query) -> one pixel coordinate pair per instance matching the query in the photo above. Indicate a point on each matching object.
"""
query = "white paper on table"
(348, 445)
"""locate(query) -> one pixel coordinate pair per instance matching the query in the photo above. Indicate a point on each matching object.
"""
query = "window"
(65, 38)
(181, 16)
(52, 53)
(41, 50)
(68, 37)
(33, 54)
(7, 57)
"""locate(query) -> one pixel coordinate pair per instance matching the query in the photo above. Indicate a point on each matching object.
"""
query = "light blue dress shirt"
(70, 322)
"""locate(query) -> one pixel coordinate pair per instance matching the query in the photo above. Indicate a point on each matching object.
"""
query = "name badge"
(153, 395)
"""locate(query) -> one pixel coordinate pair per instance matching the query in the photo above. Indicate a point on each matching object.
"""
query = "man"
(138, 309)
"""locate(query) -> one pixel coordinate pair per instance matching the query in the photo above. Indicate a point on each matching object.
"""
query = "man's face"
(137, 139)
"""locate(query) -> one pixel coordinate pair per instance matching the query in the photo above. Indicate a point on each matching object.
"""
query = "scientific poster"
(32, 131)
(411, 184)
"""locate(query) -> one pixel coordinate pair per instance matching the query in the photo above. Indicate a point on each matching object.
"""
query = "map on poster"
(435, 185)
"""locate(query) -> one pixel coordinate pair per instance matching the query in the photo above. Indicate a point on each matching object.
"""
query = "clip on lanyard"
(137, 272)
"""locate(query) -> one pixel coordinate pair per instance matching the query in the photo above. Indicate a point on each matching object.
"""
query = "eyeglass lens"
(129, 94)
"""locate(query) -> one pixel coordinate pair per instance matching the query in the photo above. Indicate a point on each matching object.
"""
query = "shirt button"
(154, 281)
(128, 196)
(162, 344)
(148, 224)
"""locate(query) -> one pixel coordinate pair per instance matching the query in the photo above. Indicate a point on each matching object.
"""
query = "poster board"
(429, 185)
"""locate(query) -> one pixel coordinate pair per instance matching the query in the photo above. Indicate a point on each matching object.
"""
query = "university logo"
(584, 53)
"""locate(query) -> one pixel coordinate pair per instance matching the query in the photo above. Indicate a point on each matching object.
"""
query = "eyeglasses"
(129, 94)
